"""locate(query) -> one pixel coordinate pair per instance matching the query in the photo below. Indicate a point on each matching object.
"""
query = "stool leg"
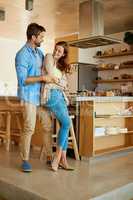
(42, 152)
(57, 127)
(54, 136)
(74, 142)
(8, 134)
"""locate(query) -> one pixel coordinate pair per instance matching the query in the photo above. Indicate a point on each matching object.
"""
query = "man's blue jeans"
(57, 105)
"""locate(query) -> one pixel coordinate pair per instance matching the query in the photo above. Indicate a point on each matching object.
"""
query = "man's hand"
(49, 79)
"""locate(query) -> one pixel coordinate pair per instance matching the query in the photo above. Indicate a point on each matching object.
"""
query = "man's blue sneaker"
(26, 166)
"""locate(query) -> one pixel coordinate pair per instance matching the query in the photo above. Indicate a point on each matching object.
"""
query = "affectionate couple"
(42, 81)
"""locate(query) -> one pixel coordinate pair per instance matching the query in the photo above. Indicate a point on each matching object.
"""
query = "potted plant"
(128, 38)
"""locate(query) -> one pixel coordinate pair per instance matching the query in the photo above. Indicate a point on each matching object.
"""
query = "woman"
(54, 97)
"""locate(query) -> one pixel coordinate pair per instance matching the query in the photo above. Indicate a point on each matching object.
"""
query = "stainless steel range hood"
(91, 26)
(94, 41)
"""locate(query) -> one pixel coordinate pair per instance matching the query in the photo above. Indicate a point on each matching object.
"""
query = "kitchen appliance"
(91, 26)
(84, 77)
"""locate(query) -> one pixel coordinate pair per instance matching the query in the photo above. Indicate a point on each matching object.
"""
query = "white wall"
(8, 49)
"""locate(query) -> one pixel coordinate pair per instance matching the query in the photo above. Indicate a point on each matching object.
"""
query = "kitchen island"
(104, 124)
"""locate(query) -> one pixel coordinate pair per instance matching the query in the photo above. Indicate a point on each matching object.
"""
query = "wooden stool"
(5, 133)
(17, 126)
(71, 139)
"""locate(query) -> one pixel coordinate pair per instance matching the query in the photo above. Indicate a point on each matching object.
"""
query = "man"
(28, 62)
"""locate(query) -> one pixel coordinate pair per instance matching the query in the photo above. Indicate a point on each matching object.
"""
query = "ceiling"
(118, 15)
(60, 17)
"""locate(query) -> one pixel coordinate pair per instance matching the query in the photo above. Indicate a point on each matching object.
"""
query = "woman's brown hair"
(62, 63)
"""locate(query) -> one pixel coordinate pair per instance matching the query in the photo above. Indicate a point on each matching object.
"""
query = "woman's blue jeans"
(57, 105)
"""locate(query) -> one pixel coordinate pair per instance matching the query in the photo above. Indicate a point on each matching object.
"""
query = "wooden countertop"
(10, 103)
(9, 97)
(14, 100)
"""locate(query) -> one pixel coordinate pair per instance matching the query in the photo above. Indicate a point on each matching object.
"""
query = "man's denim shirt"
(28, 63)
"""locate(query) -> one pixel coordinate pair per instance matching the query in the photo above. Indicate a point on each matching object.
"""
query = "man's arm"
(46, 78)
(33, 79)
(21, 62)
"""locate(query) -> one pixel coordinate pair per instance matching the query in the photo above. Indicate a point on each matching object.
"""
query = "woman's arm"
(48, 63)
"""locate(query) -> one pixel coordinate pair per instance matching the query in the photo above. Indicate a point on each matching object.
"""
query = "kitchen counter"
(83, 98)
(103, 98)
(9, 97)
(87, 109)
(85, 122)
(10, 103)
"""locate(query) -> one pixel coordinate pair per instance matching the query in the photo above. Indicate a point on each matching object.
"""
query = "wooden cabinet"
(104, 112)
(86, 125)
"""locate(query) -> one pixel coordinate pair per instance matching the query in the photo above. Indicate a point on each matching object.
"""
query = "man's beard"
(38, 44)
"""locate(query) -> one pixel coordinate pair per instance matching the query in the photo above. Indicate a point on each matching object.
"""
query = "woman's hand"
(50, 79)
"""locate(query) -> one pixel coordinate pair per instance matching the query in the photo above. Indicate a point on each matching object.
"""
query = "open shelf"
(113, 80)
(122, 66)
(126, 133)
(112, 150)
(112, 116)
(115, 54)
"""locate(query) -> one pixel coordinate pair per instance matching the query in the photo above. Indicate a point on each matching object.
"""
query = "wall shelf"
(113, 68)
(113, 116)
(129, 132)
(113, 80)
(115, 54)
